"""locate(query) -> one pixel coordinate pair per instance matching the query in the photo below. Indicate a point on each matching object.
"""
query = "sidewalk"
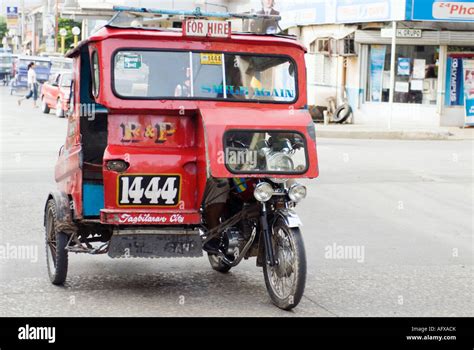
(354, 131)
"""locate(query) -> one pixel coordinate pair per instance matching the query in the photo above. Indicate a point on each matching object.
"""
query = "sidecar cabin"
(131, 84)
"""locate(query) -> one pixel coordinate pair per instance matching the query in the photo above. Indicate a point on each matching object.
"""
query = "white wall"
(402, 114)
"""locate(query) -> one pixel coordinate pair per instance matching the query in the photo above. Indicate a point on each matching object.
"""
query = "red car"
(55, 94)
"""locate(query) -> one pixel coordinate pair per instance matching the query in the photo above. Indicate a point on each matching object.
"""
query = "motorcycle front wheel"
(286, 280)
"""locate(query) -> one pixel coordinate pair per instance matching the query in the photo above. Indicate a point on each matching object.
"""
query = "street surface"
(406, 207)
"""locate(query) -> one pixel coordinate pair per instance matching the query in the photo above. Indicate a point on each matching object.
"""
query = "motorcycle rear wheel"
(286, 281)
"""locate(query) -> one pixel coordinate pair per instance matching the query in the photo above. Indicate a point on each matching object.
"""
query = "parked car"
(55, 93)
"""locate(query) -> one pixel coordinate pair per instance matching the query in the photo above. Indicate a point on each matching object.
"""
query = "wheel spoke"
(284, 276)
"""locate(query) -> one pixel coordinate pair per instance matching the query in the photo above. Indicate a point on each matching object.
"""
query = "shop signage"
(401, 33)
(438, 10)
(403, 66)
(468, 66)
(455, 79)
(377, 63)
(12, 17)
(207, 28)
(306, 12)
(409, 33)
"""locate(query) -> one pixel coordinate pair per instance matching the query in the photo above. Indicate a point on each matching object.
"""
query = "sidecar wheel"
(285, 282)
(217, 263)
(56, 242)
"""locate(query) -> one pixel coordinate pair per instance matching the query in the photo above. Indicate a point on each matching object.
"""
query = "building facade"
(350, 57)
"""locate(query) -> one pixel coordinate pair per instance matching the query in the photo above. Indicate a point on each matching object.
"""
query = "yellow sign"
(12, 22)
(211, 58)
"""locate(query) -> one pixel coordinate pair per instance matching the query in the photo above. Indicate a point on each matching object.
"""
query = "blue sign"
(469, 92)
(306, 12)
(439, 10)
(454, 82)
(377, 64)
(403, 66)
(350, 11)
(12, 11)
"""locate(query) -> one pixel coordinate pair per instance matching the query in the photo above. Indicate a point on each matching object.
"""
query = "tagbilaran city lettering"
(245, 91)
(148, 218)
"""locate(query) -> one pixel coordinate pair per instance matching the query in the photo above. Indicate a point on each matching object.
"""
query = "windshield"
(58, 65)
(248, 151)
(66, 80)
(38, 64)
(204, 75)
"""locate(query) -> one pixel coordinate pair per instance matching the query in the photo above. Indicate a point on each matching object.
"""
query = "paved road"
(405, 206)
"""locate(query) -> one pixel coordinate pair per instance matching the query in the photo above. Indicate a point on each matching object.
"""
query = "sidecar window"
(263, 78)
(150, 73)
(269, 152)
(157, 74)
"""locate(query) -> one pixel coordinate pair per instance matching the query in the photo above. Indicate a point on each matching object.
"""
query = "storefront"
(428, 76)
(433, 41)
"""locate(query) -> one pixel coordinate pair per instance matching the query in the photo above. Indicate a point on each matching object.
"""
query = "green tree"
(3, 27)
(67, 24)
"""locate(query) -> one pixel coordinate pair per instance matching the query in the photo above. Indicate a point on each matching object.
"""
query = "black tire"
(59, 112)
(44, 106)
(217, 263)
(342, 113)
(55, 242)
(289, 300)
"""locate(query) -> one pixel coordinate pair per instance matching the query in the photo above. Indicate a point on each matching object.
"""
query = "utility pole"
(56, 24)
(22, 22)
(392, 73)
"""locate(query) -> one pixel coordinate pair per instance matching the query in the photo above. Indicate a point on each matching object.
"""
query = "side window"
(95, 74)
(71, 99)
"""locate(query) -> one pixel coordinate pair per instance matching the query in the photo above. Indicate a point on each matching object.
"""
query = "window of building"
(416, 74)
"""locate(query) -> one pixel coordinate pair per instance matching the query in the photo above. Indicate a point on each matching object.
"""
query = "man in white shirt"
(32, 85)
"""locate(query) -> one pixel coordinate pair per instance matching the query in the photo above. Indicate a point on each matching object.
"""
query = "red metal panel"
(217, 122)
(155, 145)
(68, 172)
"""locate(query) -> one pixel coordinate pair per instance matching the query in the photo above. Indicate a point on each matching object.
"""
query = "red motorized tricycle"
(181, 141)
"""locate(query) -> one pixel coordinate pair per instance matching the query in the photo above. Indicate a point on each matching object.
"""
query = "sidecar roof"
(110, 32)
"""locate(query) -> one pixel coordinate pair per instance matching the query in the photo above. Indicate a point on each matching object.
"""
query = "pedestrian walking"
(32, 86)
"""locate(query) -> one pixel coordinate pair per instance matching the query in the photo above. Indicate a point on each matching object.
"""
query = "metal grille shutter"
(428, 38)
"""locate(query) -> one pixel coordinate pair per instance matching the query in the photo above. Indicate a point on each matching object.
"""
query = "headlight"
(117, 165)
(263, 192)
(279, 162)
(297, 192)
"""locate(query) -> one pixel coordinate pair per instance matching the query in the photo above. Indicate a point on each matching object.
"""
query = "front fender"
(63, 211)
(289, 216)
